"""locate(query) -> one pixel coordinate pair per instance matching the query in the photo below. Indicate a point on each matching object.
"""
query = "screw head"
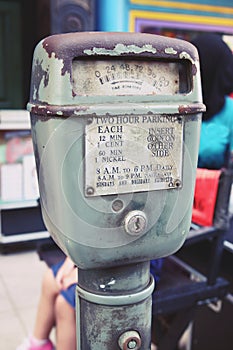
(132, 344)
(130, 340)
(90, 191)
(178, 183)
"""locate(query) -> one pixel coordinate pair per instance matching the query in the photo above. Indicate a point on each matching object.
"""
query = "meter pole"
(113, 308)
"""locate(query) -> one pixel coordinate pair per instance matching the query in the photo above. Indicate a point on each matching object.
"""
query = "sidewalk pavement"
(20, 284)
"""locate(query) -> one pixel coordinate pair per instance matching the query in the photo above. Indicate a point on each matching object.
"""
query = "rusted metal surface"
(59, 56)
(46, 111)
(191, 108)
(63, 47)
(114, 306)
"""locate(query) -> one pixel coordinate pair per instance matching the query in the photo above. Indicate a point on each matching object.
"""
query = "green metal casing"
(89, 228)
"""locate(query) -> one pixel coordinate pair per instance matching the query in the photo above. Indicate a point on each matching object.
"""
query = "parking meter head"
(115, 123)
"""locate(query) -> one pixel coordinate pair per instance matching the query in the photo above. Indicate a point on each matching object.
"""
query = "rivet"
(90, 191)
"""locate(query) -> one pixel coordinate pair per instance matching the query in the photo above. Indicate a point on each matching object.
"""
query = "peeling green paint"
(186, 55)
(170, 50)
(119, 49)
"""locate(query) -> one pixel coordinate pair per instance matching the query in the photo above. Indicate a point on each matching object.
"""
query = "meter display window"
(127, 76)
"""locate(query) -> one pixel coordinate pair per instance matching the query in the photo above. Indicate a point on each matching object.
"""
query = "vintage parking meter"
(115, 124)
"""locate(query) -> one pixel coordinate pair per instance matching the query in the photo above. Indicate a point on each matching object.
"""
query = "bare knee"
(49, 285)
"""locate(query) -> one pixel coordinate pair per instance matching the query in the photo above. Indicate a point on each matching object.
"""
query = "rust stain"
(191, 109)
(46, 111)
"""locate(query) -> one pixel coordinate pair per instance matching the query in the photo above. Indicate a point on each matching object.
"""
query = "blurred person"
(216, 65)
(56, 308)
(216, 140)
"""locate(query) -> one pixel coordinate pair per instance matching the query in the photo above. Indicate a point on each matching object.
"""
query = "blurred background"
(23, 24)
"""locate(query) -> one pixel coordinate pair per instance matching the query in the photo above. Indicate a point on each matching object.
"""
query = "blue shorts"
(69, 293)
(156, 269)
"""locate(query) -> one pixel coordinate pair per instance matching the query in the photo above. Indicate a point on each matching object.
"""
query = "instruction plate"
(133, 153)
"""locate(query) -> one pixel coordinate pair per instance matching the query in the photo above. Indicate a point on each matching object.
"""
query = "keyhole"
(137, 224)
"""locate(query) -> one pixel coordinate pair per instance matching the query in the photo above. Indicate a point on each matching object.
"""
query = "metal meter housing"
(115, 123)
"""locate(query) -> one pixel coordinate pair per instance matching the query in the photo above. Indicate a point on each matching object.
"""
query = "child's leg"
(65, 325)
(45, 318)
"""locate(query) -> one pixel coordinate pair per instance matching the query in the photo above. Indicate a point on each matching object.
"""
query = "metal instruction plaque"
(133, 153)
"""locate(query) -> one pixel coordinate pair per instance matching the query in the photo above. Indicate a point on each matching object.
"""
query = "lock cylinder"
(135, 223)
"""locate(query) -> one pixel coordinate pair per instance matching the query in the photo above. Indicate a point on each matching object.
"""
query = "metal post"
(114, 308)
